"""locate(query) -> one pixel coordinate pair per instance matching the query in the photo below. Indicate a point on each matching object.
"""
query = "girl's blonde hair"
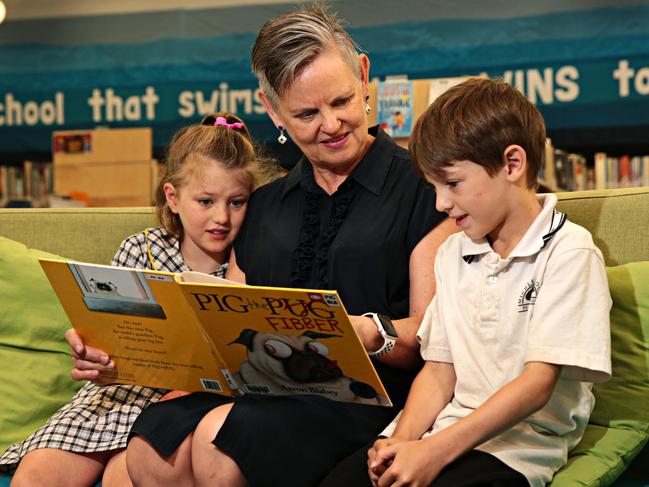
(229, 145)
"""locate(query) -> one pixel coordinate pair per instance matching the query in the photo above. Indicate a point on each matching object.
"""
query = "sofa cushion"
(619, 424)
(623, 401)
(32, 385)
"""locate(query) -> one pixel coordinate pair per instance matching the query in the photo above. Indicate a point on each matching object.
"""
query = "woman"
(353, 216)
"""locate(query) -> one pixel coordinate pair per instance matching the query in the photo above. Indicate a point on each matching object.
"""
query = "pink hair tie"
(221, 121)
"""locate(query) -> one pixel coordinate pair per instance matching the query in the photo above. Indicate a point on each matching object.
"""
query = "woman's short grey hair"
(287, 44)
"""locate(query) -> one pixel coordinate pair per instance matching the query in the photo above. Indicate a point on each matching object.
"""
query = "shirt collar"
(370, 173)
(543, 228)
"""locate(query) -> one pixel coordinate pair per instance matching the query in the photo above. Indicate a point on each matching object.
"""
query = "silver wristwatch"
(387, 330)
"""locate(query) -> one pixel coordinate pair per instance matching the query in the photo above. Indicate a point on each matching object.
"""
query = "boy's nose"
(442, 203)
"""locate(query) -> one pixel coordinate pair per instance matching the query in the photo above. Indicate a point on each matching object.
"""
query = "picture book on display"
(196, 332)
(395, 100)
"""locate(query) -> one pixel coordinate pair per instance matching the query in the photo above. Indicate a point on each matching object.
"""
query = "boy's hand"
(377, 465)
(88, 361)
(413, 463)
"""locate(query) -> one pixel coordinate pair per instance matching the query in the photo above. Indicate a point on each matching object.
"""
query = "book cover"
(395, 102)
(195, 332)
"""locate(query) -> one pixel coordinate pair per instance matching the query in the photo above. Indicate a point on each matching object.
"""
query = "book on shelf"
(197, 332)
(31, 182)
(621, 172)
(395, 101)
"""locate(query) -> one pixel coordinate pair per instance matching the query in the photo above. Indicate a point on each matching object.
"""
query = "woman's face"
(324, 112)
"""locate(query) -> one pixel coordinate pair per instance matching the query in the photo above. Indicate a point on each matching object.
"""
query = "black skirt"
(287, 440)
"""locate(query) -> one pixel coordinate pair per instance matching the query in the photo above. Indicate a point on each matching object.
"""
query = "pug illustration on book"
(115, 290)
(280, 363)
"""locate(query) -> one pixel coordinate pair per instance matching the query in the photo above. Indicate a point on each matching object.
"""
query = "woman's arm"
(234, 273)
(422, 289)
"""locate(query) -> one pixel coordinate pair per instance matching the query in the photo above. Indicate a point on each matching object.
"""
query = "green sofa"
(34, 379)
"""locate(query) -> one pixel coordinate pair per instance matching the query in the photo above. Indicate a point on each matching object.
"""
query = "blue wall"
(585, 64)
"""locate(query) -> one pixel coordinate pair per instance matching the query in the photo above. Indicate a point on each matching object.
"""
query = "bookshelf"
(111, 167)
(562, 170)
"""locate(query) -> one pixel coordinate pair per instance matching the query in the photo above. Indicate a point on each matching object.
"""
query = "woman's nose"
(330, 122)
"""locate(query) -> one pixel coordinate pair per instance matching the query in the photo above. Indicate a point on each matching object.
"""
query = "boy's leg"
(51, 467)
(479, 469)
(350, 472)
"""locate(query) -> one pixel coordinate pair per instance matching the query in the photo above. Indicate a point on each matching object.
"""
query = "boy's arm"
(430, 392)
(423, 460)
(511, 404)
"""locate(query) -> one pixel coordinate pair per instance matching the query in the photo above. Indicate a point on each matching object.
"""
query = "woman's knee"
(210, 465)
(146, 466)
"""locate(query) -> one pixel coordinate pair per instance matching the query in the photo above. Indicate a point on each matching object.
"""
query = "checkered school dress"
(99, 418)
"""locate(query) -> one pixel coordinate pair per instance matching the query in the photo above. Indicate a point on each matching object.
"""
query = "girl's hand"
(88, 362)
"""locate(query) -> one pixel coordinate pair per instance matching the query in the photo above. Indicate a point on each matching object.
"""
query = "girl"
(211, 169)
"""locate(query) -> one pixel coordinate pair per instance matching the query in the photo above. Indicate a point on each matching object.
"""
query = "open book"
(196, 332)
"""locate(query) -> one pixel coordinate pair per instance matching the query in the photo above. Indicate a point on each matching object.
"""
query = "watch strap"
(388, 341)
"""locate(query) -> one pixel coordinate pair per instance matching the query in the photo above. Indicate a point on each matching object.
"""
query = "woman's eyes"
(307, 115)
(341, 103)
(452, 183)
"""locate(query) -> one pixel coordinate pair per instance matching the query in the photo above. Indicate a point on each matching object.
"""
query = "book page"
(142, 320)
(201, 277)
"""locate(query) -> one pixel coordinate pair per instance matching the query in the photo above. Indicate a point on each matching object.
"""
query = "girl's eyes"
(452, 183)
(237, 203)
(206, 202)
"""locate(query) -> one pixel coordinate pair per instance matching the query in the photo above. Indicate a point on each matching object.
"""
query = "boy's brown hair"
(476, 121)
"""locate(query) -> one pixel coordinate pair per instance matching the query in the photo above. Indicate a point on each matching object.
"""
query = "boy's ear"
(515, 163)
(172, 196)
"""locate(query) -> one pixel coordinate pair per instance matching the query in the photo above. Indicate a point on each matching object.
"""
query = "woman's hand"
(88, 362)
(367, 332)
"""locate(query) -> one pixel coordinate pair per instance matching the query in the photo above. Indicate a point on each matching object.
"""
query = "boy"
(519, 326)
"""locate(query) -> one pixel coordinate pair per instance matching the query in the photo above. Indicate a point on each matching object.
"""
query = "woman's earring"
(368, 108)
(282, 138)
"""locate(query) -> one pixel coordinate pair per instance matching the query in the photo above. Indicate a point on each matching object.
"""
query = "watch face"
(388, 326)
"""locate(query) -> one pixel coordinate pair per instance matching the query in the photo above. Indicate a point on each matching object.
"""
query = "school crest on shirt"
(528, 296)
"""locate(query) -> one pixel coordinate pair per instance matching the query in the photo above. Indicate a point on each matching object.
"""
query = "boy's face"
(473, 198)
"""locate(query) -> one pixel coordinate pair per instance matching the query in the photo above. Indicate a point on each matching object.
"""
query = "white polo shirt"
(548, 301)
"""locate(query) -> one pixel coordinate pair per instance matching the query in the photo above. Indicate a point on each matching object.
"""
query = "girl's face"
(211, 204)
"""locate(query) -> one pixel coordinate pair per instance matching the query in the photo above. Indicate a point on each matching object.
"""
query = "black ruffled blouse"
(357, 240)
